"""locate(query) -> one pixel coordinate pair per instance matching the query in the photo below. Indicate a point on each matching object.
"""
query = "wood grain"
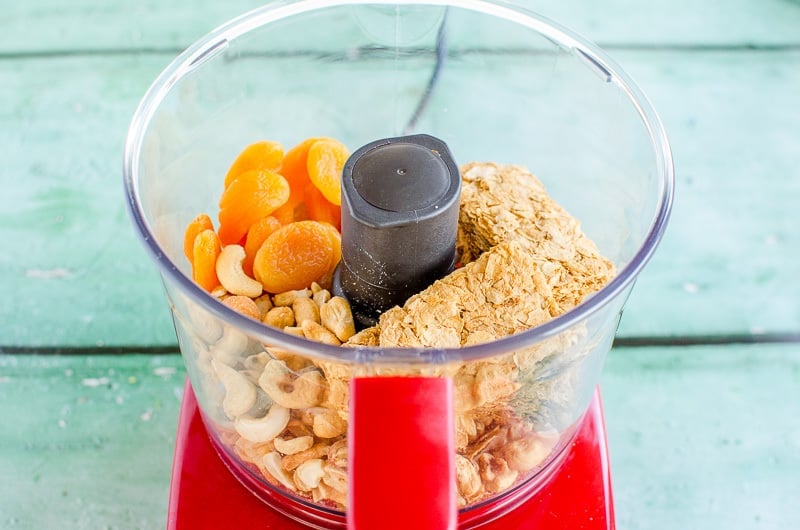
(704, 437)
(88, 441)
(699, 437)
(96, 26)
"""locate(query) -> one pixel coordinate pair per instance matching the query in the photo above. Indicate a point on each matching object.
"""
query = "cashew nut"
(467, 477)
(305, 309)
(206, 326)
(253, 365)
(325, 492)
(294, 362)
(230, 347)
(279, 317)
(263, 429)
(231, 275)
(495, 473)
(199, 349)
(287, 299)
(466, 430)
(461, 502)
(294, 330)
(294, 445)
(298, 429)
(240, 393)
(526, 453)
(366, 337)
(308, 475)
(338, 396)
(303, 392)
(306, 416)
(321, 296)
(337, 316)
(336, 478)
(218, 291)
(491, 439)
(328, 424)
(264, 304)
(290, 462)
(206, 382)
(318, 333)
(251, 451)
(272, 461)
(337, 453)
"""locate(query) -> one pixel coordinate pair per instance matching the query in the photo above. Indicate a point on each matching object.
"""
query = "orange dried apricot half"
(295, 161)
(205, 251)
(249, 197)
(320, 209)
(256, 235)
(336, 241)
(257, 156)
(294, 168)
(197, 225)
(294, 256)
(326, 159)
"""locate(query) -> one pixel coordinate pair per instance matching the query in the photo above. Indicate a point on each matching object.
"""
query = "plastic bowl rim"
(217, 39)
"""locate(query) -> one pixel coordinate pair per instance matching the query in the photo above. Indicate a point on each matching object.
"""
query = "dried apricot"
(294, 256)
(293, 169)
(326, 281)
(249, 197)
(320, 209)
(205, 251)
(294, 209)
(197, 225)
(335, 238)
(256, 235)
(295, 162)
(260, 155)
(326, 159)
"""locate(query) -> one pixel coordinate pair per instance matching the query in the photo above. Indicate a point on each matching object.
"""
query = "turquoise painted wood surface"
(702, 437)
(98, 26)
(87, 440)
(705, 437)
(727, 264)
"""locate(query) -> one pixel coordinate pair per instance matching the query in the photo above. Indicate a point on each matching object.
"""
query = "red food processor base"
(205, 495)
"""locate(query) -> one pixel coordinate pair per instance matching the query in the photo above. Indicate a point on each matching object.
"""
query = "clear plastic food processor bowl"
(497, 83)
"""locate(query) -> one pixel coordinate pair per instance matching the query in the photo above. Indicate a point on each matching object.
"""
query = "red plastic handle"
(401, 454)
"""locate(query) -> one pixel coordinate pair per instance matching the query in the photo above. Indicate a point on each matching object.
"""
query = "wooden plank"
(704, 437)
(727, 264)
(87, 442)
(76, 275)
(73, 272)
(701, 437)
(677, 23)
(95, 25)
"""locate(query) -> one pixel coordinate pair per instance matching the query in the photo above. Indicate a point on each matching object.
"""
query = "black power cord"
(441, 54)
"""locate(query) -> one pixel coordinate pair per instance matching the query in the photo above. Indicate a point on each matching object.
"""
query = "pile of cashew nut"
(297, 444)
(285, 415)
(270, 406)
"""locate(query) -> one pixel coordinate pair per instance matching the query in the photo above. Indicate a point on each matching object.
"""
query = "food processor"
(499, 427)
